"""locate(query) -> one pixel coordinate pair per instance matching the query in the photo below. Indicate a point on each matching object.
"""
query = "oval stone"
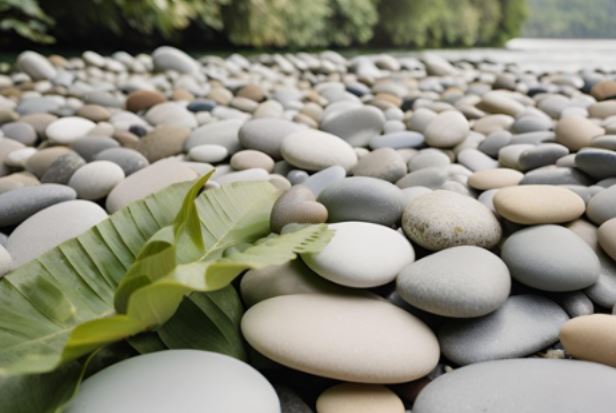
(550, 258)
(607, 237)
(591, 337)
(601, 206)
(20, 203)
(363, 199)
(447, 129)
(315, 150)
(443, 219)
(598, 163)
(359, 398)
(538, 204)
(52, 226)
(201, 382)
(522, 386)
(345, 337)
(95, 180)
(354, 255)
(356, 126)
(68, 129)
(494, 178)
(266, 134)
(463, 281)
(576, 132)
(524, 325)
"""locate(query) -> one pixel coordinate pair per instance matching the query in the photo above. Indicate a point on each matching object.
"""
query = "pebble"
(443, 219)
(293, 277)
(523, 325)
(359, 398)
(164, 141)
(18, 204)
(356, 126)
(459, 282)
(20, 131)
(315, 150)
(397, 140)
(36, 66)
(140, 100)
(95, 113)
(598, 163)
(61, 170)
(591, 337)
(385, 164)
(607, 237)
(352, 257)
(146, 181)
(299, 331)
(266, 134)
(522, 385)
(538, 204)
(447, 129)
(68, 129)
(494, 178)
(541, 155)
(89, 146)
(223, 133)
(550, 258)
(128, 159)
(170, 58)
(325, 177)
(602, 206)
(297, 205)
(52, 226)
(170, 114)
(200, 384)
(95, 180)
(363, 199)
(250, 158)
(576, 133)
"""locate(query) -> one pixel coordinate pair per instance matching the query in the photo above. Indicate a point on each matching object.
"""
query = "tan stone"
(42, 160)
(95, 113)
(359, 398)
(607, 237)
(495, 178)
(591, 337)
(538, 204)
(252, 92)
(604, 89)
(576, 132)
(143, 99)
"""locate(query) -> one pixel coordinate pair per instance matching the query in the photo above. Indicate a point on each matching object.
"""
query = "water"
(543, 55)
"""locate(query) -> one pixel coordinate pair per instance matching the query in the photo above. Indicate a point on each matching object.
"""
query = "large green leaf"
(44, 300)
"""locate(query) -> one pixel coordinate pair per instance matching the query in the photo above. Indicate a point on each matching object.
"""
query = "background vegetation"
(571, 19)
(102, 24)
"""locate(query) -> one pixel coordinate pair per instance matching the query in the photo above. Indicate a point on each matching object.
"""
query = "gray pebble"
(20, 203)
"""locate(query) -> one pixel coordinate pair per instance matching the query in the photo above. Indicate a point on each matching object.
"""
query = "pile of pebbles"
(474, 207)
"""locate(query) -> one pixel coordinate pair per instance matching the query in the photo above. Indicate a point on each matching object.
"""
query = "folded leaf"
(43, 300)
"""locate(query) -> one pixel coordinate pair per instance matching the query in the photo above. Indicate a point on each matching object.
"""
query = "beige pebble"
(576, 132)
(495, 178)
(607, 237)
(250, 158)
(538, 204)
(359, 398)
(591, 337)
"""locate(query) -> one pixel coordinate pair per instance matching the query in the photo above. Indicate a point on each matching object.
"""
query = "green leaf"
(44, 300)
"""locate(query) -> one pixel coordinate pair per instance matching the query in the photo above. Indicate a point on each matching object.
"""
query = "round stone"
(170, 58)
(550, 258)
(363, 199)
(461, 282)
(315, 333)
(356, 126)
(397, 140)
(95, 180)
(601, 206)
(61, 170)
(359, 398)
(353, 257)
(68, 129)
(223, 133)
(523, 325)
(538, 204)
(143, 100)
(250, 158)
(95, 113)
(128, 159)
(576, 132)
(147, 181)
(297, 205)
(164, 141)
(266, 134)
(201, 383)
(607, 237)
(20, 131)
(294, 277)
(384, 163)
(494, 178)
(447, 129)
(521, 386)
(87, 147)
(20, 203)
(36, 66)
(598, 163)
(443, 219)
(44, 158)
(171, 114)
(591, 337)
(314, 150)
(51, 227)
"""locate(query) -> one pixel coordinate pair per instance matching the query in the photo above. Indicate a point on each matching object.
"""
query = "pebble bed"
(473, 266)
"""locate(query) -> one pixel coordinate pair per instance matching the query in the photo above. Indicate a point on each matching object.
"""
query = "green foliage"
(26, 19)
(571, 18)
(352, 21)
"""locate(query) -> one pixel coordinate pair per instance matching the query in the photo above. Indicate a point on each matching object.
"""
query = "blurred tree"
(25, 18)
(351, 21)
